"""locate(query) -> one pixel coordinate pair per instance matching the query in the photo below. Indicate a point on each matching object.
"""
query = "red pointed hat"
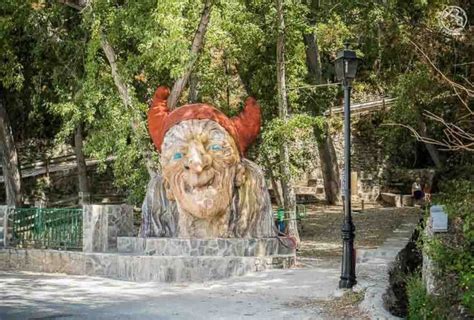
(243, 128)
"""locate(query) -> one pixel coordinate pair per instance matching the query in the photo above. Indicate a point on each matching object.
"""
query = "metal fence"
(46, 228)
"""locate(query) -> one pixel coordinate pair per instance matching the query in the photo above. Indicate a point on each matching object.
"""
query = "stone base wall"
(204, 247)
(139, 267)
(102, 224)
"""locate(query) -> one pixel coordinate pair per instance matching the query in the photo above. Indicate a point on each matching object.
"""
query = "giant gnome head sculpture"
(207, 188)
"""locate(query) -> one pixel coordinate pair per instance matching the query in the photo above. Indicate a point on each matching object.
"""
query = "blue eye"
(215, 147)
(177, 156)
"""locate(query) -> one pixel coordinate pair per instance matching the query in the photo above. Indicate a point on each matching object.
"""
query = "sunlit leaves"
(299, 133)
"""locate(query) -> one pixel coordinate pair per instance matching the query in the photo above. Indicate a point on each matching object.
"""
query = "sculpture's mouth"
(202, 189)
(199, 182)
(198, 188)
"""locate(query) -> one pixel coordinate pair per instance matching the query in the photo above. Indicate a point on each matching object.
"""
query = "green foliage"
(11, 69)
(298, 133)
(368, 127)
(55, 74)
(458, 256)
(453, 253)
(420, 303)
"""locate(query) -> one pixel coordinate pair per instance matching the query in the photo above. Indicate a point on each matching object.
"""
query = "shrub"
(453, 255)
(420, 306)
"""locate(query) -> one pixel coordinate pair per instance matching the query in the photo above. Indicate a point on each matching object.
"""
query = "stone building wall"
(368, 166)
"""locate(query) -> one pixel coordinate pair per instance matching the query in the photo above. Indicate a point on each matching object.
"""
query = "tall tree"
(289, 197)
(326, 150)
(196, 46)
(83, 182)
(10, 165)
(126, 100)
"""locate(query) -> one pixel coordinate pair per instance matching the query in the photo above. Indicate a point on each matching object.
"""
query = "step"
(134, 267)
(203, 247)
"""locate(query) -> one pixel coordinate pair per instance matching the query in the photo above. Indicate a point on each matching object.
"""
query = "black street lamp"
(346, 68)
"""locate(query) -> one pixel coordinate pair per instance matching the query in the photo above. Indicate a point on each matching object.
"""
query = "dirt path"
(320, 229)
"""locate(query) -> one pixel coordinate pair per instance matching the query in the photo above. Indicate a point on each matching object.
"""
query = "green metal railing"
(46, 228)
(279, 215)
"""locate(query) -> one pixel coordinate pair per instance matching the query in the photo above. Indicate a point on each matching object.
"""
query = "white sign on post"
(439, 219)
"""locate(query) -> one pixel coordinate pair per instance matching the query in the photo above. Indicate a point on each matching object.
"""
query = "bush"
(420, 304)
(453, 256)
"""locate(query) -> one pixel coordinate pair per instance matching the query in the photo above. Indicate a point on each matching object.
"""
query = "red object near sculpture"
(243, 128)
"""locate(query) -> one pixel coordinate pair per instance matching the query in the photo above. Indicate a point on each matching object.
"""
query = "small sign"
(439, 219)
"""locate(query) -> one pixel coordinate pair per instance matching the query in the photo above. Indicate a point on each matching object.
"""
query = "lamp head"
(346, 64)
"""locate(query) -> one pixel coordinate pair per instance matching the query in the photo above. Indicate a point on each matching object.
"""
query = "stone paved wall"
(370, 167)
(102, 224)
(59, 188)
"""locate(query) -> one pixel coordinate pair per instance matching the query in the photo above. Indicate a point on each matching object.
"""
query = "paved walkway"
(267, 295)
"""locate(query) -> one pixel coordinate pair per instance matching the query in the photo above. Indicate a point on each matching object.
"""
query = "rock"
(407, 200)
(391, 198)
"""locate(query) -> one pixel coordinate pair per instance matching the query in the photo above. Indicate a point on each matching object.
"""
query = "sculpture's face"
(200, 162)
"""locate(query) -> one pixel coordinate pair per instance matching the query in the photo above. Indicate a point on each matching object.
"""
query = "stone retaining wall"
(367, 161)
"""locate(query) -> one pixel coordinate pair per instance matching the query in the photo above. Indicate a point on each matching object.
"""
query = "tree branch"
(454, 84)
(197, 45)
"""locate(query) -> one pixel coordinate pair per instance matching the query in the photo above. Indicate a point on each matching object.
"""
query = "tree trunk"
(326, 150)
(329, 168)
(430, 147)
(273, 180)
(276, 191)
(289, 198)
(193, 89)
(10, 165)
(197, 45)
(119, 83)
(84, 193)
(124, 95)
(313, 63)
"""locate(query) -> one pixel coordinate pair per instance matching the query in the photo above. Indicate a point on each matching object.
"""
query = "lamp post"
(346, 68)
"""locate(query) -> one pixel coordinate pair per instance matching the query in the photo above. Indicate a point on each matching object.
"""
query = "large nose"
(198, 160)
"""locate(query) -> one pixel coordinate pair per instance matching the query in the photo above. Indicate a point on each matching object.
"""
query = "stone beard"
(206, 189)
